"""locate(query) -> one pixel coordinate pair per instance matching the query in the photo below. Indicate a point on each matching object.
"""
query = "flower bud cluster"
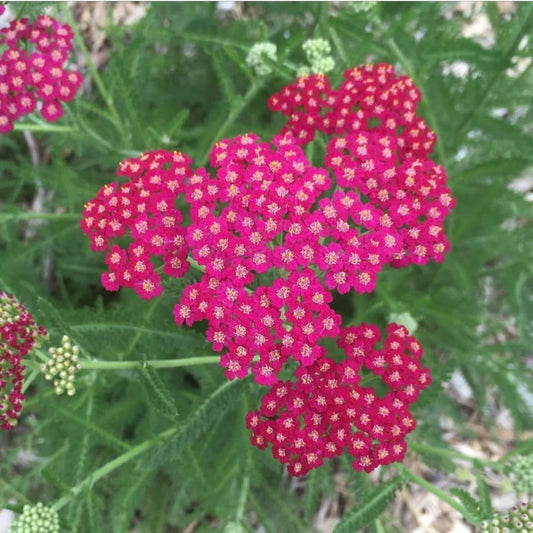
(518, 520)
(32, 69)
(318, 53)
(36, 519)
(62, 366)
(19, 335)
(257, 55)
(522, 472)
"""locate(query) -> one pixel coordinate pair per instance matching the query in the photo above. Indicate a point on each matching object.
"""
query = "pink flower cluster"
(29, 76)
(371, 97)
(144, 207)
(273, 236)
(327, 409)
(18, 336)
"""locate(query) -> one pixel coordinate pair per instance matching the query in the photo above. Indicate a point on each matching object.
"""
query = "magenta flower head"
(143, 209)
(274, 236)
(32, 70)
(18, 336)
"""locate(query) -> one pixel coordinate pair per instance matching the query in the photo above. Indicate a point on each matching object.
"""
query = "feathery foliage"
(159, 448)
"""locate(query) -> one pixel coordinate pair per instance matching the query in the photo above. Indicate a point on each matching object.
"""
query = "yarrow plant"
(19, 335)
(378, 200)
(264, 276)
(32, 70)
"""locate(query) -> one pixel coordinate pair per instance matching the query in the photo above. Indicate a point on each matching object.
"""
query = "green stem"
(113, 465)
(38, 216)
(194, 264)
(245, 487)
(310, 152)
(41, 355)
(92, 68)
(379, 526)
(138, 334)
(156, 363)
(338, 44)
(410, 71)
(232, 116)
(29, 381)
(407, 474)
(434, 450)
(22, 126)
(463, 127)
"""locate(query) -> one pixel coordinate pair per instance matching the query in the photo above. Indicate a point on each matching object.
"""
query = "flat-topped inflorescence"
(32, 70)
(143, 208)
(327, 409)
(273, 236)
(19, 335)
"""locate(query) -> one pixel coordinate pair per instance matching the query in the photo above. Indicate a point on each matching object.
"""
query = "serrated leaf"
(224, 78)
(485, 505)
(470, 503)
(177, 123)
(370, 508)
(158, 394)
(215, 406)
(238, 61)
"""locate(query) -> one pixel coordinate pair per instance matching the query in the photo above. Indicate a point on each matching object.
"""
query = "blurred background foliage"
(174, 76)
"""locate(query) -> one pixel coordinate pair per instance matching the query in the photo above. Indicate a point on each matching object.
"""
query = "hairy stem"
(443, 496)
(92, 69)
(38, 216)
(232, 116)
(156, 363)
(112, 465)
(443, 452)
(22, 126)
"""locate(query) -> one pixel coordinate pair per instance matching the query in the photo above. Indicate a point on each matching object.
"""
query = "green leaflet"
(220, 401)
(158, 394)
(485, 506)
(369, 508)
(470, 503)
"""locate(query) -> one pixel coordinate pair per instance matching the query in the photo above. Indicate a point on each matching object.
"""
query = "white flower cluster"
(318, 53)
(257, 55)
(62, 367)
(361, 7)
(36, 519)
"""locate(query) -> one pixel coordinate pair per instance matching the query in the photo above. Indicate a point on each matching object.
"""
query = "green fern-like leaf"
(485, 505)
(212, 409)
(158, 394)
(470, 503)
(369, 508)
